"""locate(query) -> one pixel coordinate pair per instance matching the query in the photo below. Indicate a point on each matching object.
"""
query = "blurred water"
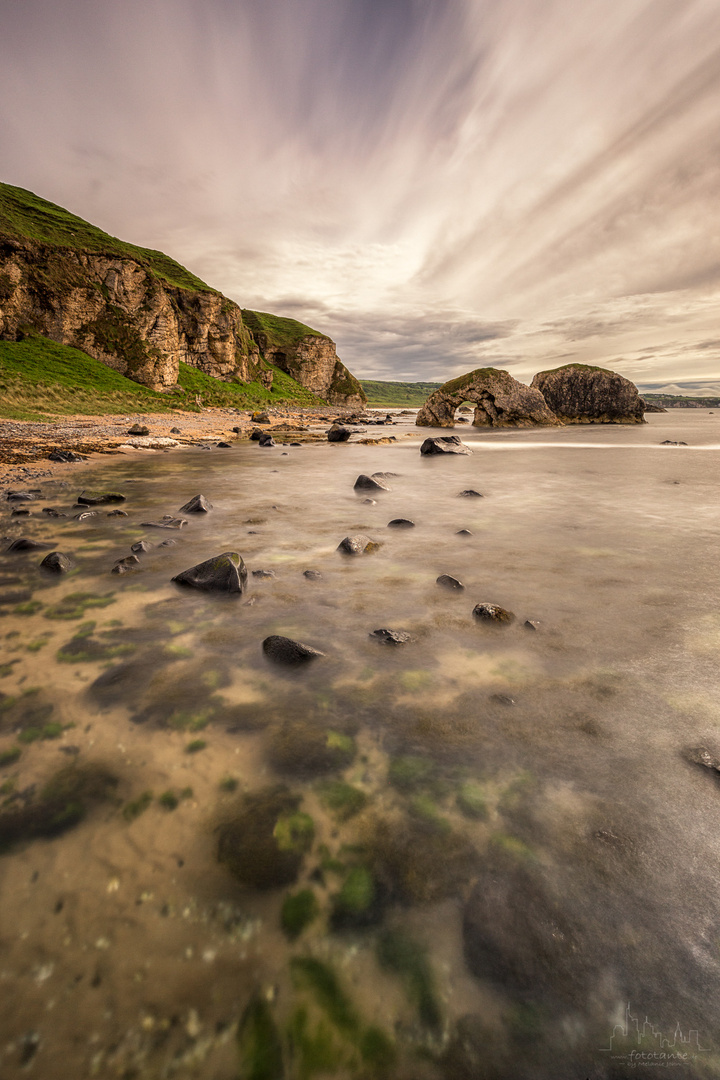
(530, 851)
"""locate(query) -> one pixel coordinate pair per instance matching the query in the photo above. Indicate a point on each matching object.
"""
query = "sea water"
(481, 853)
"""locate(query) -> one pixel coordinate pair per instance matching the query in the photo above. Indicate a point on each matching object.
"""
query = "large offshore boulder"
(580, 394)
(500, 401)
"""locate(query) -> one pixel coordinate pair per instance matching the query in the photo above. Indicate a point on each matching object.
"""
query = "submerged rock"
(25, 543)
(223, 573)
(22, 496)
(312, 575)
(97, 498)
(700, 755)
(469, 493)
(301, 748)
(266, 439)
(493, 613)
(500, 401)
(580, 394)
(358, 544)
(391, 637)
(140, 547)
(369, 483)
(117, 513)
(167, 521)
(124, 566)
(263, 844)
(401, 523)
(283, 650)
(263, 574)
(197, 505)
(444, 444)
(56, 563)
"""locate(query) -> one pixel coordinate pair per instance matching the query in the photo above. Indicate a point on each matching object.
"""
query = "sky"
(439, 185)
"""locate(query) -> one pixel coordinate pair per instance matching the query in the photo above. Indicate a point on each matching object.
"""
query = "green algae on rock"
(264, 841)
(298, 911)
(301, 748)
(62, 803)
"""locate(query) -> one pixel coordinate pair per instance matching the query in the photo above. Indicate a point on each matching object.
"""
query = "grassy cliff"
(398, 394)
(40, 378)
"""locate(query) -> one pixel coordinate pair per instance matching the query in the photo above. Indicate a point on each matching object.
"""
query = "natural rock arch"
(500, 401)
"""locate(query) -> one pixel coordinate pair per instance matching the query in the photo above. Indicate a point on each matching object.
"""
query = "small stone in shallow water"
(263, 574)
(312, 575)
(22, 496)
(197, 505)
(224, 445)
(117, 513)
(369, 502)
(401, 523)
(56, 563)
(86, 515)
(20, 513)
(502, 699)
(469, 493)
(140, 547)
(700, 755)
(224, 573)
(531, 624)
(444, 444)
(493, 613)
(449, 582)
(283, 650)
(391, 637)
(124, 566)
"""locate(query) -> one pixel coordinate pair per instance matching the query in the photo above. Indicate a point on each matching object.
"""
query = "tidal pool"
(481, 853)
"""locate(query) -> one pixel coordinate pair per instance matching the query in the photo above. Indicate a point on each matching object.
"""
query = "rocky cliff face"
(310, 358)
(579, 394)
(115, 310)
(500, 401)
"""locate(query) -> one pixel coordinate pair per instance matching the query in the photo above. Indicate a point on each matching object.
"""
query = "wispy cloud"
(437, 185)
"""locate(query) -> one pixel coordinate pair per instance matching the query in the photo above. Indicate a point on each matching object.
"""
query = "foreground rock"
(197, 505)
(357, 544)
(579, 394)
(225, 573)
(264, 842)
(500, 401)
(56, 563)
(444, 444)
(99, 498)
(390, 637)
(337, 433)
(493, 613)
(25, 543)
(283, 650)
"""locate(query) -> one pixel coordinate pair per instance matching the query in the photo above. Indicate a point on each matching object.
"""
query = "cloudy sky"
(437, 184)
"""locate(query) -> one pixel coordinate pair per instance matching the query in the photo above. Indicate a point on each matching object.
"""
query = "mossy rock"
(61, 804)
(264, 842)
(357, 903)
(304, 749)
(406, 958)
(298, 911)
(410, 772)
(323, 983)
(86, 649)
(341, 799)
(471, 800)
(74, 605)
(259, 1044)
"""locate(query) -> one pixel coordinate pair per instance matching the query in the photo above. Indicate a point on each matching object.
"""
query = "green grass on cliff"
(399, 395)
(40, 378)
(25, 216)
(279, 332)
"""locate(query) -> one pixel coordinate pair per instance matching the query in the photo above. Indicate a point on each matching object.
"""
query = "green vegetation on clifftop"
(25, 216)
(278, 331)
(39, 378)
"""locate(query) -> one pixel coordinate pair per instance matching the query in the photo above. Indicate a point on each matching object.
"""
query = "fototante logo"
(645, 1046)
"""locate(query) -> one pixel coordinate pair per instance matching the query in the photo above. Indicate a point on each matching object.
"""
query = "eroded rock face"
(500, 401)
(579, 394)
(115, 310)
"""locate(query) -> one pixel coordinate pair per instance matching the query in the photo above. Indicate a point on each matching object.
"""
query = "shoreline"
(25, 445)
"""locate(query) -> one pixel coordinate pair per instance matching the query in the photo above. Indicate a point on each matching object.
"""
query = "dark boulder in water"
(493, 613)
(56, 563)
(401, 523)
(369, 483)
(338, 433)
(469, 493)
(22, 496)
(223, 573)
(263, 575)
(444, 444)
(266, 439)
(124, 566)
(264, 842)
(283, 650)
(197, 505)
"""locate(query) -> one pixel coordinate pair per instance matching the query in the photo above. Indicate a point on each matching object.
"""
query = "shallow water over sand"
(497, 839)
